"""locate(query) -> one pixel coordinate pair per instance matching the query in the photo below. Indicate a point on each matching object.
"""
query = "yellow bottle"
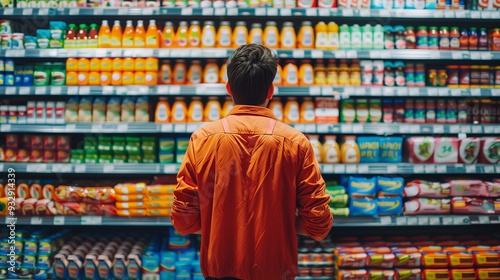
(181, 38)
(277, 108)
(270, 37)
(306, 36)
(292, 114)
(140, 35)
(306, 73)
(314, 139)
(330, 153)
(194, 73)
(211, 73)
(307, 114)
(288, 38)
(333, 36)
(165, 73)
(212, 110)
(128, 35)
(195, 111)
(350, 150)
(228, 105)
(193, 36)
(277, 79)
(179, 110)
(162, 113)
(255, 35)
(224, 35)
(180, 72)
(152, 36)
(223, 73)
(168, 35)
(240, 34)
(116, 35)
(321, 35)
(208, 35)
(290, 74)
(104, 40)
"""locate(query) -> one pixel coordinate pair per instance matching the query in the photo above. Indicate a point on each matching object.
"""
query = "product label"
(257, 38)
(288, 41)
(422, 41)
(208, 39)
(241, 38)
(271, 38)
(333, 40)
(307, 40)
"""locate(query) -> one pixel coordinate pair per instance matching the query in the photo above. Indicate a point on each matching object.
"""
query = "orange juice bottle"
(208, 35)
(105, 79)
(333, 36)
(211, 73)
(350, 150)
(104, 40)
(194, 73)
(306, 36)
(255, 35)
(94, 78)
(194, 34)
(162, 113)
(179, 110)
(180, 72)
(288, 38)
(277, 108)
(128, 78)
(228, 105)
(106, 64)
(277, 79)
(140, 64)
(83, 64)
(151, 64)
(139, 77)
(290, 74)
(116, 78)
(151, 78)
(316, 145)
(181, 38)
(223, 73)
(83, 78)
(72, 64)
(307, 114)
(270, 37)
(240, 34)
(306, 73)
(321, 35)
(168, 35)
(128, 35)
(195, 111)
(152, 38)
(292, 114)
(330, 152)
(95, 64)
(140, 35)
(128, 64)
(165, 76)
(116, 35)
(224, 35)
(212, 110)
(320, 73)
(117, 64)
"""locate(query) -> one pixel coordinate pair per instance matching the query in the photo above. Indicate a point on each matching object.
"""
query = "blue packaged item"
(133, 270)
(2, 79)
(2, 65)
(362, 186)
(369, 149)
(43, 38)
(167, 265)
(430, 4)
(186, 255)
(18, 76)
(28, 76)
(177, 241)
(390, 186)
(391, 149)
(390, 205)
(344, 180)
(43, 262)
(363, 207)
(41, 274)
(29, 42)
(377, 4)
(29, 261)
(9, 79)
(31, 246)
(9, 65)
(183, 270)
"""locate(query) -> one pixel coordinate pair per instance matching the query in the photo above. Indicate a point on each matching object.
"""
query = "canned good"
(6, 41)
(433, 78)
(464, 76)
(485, 112)
(453, 77)
(442, 77)
(475, 75)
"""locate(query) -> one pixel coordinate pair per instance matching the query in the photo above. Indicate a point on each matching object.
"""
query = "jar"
(328, 271)
(304, 271)
(464, 76)
(433, 79)
(317, 271)
(484, 76)
(442, 77)
(495, 45)
(304, 255)
(452, 72)
(475, 75)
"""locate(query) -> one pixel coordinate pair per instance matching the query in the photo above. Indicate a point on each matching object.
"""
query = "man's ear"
(228, 89)
(271, 92)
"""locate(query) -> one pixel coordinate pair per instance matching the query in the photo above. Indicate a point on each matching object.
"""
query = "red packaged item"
(419, 206)
(100, 195)
(36, 142)
(408, 274)
(433, 274)
(63, 143)
(420, 149)
(488, 273)
(407, 257)
(463, 274)
(69, 194)
(455, 248)
(49, 142)
(468, 150)
(468, 188)
(460, 260)
(36, 155)
(486, 258)
(430, 249)
(493, 189)
(468, 205)
(71, 208)
(381, 274)
(11, 141)
(11, 154)
(381, 257)
(344, 274)
(351, 257)
(63, 156)
(45, 207)
(28, 207)
(490, 150)
(49, 156)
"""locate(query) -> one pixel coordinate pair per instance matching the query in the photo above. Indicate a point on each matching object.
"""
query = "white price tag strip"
(327, 168)
(59, 220)
(108, 168)
(489, 169)
(272, 12)
(461, 220)
(392, 169)
(96, 220)
(191, 127)
(363, 169)
(5, 128)
(484, 219)
(86, 220)
(180, 128)
(351, 169)
(438, 129)
(418, 169)
(430, 168)
(339, 168)
(285, 12)
(80, 168)
(311, 12)
(401, 221)
(170, 169)
(298, 54)
(423, 221)
(434, 221)
(412, 221)
(441, 169)
(385, 220)
(470, 169)
(447, 220)
(36, 220)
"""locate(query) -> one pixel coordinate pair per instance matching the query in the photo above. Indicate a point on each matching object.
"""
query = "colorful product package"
(420, 149)
(335, 190)
(351, 257)
(381, 257)
(390, 186)
(85, 109)
(407, 257)
(490, 150)
(463, 274)
(486, 259)
(409, 273)
(363, 207)
(433, 274)
(468, 188)
(128, 109)
(339, 200)
(468, 205)
(390, 205)
(382, 274)
(113, 109)
(446, 150)
(434, 259)
(421, 188)
(142, 109)
(419, 206)
(488, 273)
(362, 187)
(391, 149)
(359, 274)
(460, 260)
(493, 189)
(369, 149)
(468, 150)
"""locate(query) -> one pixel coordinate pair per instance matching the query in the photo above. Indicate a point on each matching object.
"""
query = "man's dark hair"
(250, 73)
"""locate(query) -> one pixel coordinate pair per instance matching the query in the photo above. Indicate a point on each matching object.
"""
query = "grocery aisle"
(399, 98)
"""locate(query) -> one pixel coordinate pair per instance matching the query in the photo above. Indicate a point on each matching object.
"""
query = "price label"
(340, 54)
(180, 128)
(432, 92)
(385, 54)
(346, 128)
(317, 54)
(461, 14)
(108, 168)
(311, 12)
(388, 92)
(430, 169)
(322, 128)
(363, 169)
(187, 11)
(207, 11)
(484, 219)
(435, 221)
(454, 128)
(58, 220)
(80, 168)
(402, 91)
(392, 169)
(40, 90)
(495, 92)
(364, 13)
(495, 15)
(8, 11)
(168, 127)
(413, 92)
(447, 220)
(352, 54)
(443, 92)
(327, 168)
(298, 54)
(418, 169)
(441, 169)
(272, 12)
(470, 169)
(385, 220)
(438, 129)
(72, 90)
(486, 55)
(10, 90)
(457, 55)
(351, 169)
(449, 14)
(84, 90)
(96, 220)
(489, 169)
(475, 14)
(412, 221)
(423, 221)
(175, 90)
(488, 129)
(220, 12)
(86, 220)
(299, 127)
(232, 12)
(24, 90)
(477, 129)
(339, 169)
(191, 127)
(36, 220)
(456, 92)
(401, 221)
(461, 220)
(486, 14)
(415, 128)
(310, 128)
(71, 127)
(27, 12)
(497, 129)
(5, 127)
(357, 128)
(55, 90)
(404, 129)
(374, 54)
(61, 168)
(347, 12)
(324, 12)
(286, 12)
(314, 91)
(474, 55)
(170, 169)
(163, 53)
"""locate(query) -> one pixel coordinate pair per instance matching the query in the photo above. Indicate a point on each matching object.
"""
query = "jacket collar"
(252, 110)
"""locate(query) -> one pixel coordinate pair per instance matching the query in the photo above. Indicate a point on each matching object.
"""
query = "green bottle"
(367, 41)
(345, 37)
(378, 37)
(356, 40)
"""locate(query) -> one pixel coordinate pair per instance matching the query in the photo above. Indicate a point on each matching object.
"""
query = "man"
(244, 177)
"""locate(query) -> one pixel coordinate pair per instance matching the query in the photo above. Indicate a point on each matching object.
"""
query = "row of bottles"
(331, 152)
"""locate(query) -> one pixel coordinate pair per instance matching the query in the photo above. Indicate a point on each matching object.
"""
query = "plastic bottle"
(320, 74)
(306, 36)
(473, 39)
(270, 36)
(277, 79)
(181, 38)
(464, 39)
(316, 145)
(195, 73)
(444, 38)
(343, 73)
(168, 35)
(140, 35)
(211, 73)
(454, 38)
(224, 35)
(208, 35)
(240, 34)
(330, 152)
(116, 35)
(327, 4)
(104, 35)
(355, 73)
(223, 72)
(350, 150)
(378, 37)
(356, 38)
(288, 38)
(388, 37)
(433, 42)
(81, 36)
(195, 110)
(93, 36)
(367, 37)
(430, 115)
(180, 72)
(321, 31)
(306, 3)
(399, 37)
(70, 39)
(152, 36)
(255, 35)
(277, 108)
(128, 35)
(212, 110)
(307, 114)
(228, 105)
(165, 73)
(333, 36)
(331, 73)
(306, 73)
(179, 110)
(292, 114)
(483, 39)
(345, 37)
(162, 113)
(410, 37)
(422, 38)
(290, 74)
(194, 35)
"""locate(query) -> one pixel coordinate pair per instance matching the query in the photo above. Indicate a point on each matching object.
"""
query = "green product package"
(91, 157)
(341, 212)
(90, 143)
(179, 157)
(120, 157)
(105, 157)
(166, 157)
(118, 144)
(41, 75)
(43, 38)
(182, 144)
(335, 190)
(99, 109)
(339, 200)
(57, 33)
(149, 157)
(148, 144)
(332, 183)
(362, 110)
(375, 110)
(29, 42)
(57, 74)
(77, 156)
(134, 157)
(104, 143)
(133, 144)
(167, 144)
(347, 111)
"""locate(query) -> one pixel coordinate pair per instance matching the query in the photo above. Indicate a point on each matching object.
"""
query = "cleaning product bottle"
(255, 35)
(333, 36)
(306, 73)
(307, 114)
(306, 36)
(181, 37)
(128, 35)
(168, 35)
(350, 150)
(212, 110)
(179, 110)
(224, 35)
(152, 36)
(194, 73)
(277, 108)
(290, 74)
(321, 35)
(104, 35)
(140, 35)
(180, 72)
(292, 114)
(330, 153)
(288, 37)
(314, 139)
(270, 36)
(228, 105)
(195, 111)
(116, 35)
(240, 34)
(194, 34)
(162, 113)
(211, 73)
(93, 36)
(81, 36)
(208, 35)
(70, 39)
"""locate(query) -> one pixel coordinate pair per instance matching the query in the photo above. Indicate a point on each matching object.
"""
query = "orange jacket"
(242, 179)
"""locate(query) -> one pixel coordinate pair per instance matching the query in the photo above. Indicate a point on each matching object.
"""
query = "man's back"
(241, 183)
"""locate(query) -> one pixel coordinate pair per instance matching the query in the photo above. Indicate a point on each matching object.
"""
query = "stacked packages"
(36, 148)
(170, 147)
(139, 199)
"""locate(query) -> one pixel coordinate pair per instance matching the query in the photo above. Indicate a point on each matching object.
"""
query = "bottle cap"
(183, 24)
(104, 22)
(195, 22)
(140, 23)
(129, 23)
(256, 25)
(209, 23)
(306, 23)
(241, 23)
(152, 22)
(271, 23)
(288, 24)
(169, 24)
(225, 23)
(117, 23)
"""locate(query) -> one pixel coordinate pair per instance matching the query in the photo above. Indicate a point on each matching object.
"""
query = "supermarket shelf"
(224, 53)
(91, 221)
(150, 127)
(283, 12)
(155, 168)
(315, 278)
(220, 89)
(428, 220)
